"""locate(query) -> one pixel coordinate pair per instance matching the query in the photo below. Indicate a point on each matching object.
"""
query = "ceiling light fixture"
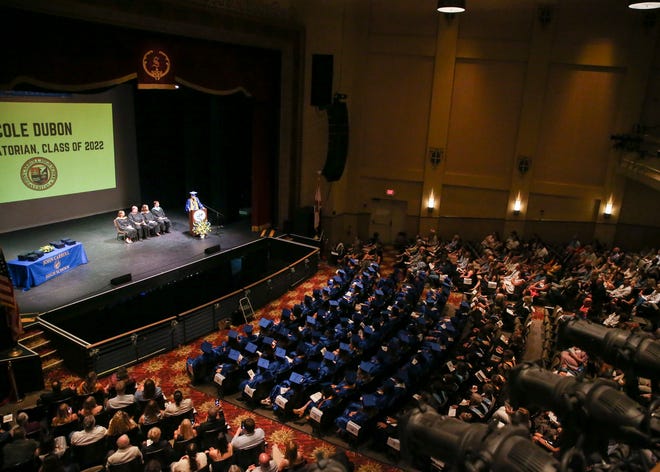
(635, 5)
(453, 6)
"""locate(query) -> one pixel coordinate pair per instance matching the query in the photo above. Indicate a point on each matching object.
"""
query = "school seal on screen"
(156, 64)
(38, 173)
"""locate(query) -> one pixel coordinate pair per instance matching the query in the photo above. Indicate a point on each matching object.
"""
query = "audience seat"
(246, 457)
(90, 455)
(134, 466)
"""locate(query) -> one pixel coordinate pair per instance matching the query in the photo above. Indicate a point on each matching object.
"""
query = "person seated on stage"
(160, 216)
(124, 226)
(193, 202)
(137, 220)
(150, 219)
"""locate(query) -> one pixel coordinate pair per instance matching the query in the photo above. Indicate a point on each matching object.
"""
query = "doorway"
(388, 218)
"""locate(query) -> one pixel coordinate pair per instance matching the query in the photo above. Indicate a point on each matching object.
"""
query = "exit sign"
(389, 191)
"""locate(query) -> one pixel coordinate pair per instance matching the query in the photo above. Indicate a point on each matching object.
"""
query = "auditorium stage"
(110, 258)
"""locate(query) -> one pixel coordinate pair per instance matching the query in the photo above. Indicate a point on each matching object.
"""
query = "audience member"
(248, 435)
(20, 449)
(193, 460)
(90, 433)
(124, 453)
(179, 406)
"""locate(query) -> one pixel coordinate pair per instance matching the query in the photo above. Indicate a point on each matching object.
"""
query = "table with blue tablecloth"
(27, 274)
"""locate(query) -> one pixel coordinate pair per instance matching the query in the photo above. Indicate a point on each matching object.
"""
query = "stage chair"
(121, 235)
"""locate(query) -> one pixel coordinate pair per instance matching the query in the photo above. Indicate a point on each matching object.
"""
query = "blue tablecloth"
(28, 274)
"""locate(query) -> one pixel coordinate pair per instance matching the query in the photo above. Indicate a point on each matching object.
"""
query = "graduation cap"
(379, 292)
(192, 192)
(248, 329)
(313, 366)
(369, 400)
(232, 334)
(345, 347)
(334, 303)
(265, 323)
(283, 330)
(286, 313)
(368, 329)
(359, 285)
(353, 261)
(234, 355)
(263, 363)
(296, 378)
(316, 293)
(267, 340)
(436, 347)
(329, 356)
(337, 279)
(280, 352)
(251, 348)
(326, 289)
(404, 337)
(368, 367)
(311, 320)
(207, 347)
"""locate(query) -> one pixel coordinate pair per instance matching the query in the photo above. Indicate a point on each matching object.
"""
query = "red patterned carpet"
(169, 371)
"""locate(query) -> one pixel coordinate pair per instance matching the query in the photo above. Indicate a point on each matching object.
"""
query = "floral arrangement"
(201, 228)
(47, 248)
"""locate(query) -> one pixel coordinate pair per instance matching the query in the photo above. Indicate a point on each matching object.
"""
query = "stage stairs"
(36, 339)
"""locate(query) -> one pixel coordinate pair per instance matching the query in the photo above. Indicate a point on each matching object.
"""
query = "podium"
(196, 216)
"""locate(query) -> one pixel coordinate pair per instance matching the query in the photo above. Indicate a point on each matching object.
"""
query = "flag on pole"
(8, 300)
(317, 205)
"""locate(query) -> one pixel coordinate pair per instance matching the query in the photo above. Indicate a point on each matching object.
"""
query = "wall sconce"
(517, 206)
(430, 203)
(607, 213)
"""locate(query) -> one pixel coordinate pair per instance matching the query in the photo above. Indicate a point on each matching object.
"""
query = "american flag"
(8, 300)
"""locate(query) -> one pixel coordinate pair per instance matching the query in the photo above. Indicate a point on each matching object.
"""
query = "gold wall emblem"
(156, 64)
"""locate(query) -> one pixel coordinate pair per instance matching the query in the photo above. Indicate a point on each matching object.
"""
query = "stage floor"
(110, 258)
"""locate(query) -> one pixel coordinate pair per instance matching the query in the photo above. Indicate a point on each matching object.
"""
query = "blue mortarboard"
(379, 292)
(345, 347)
(267, 340)
(263, 363)
(404, 337)
(265, 323)
(280, 352)
(334, 303)
(234, 355)
(286, 313)
(368, 367)
(296, 378)
(329, 356)
(311, 320)
(341, 271)
(368, 329)
(353, 261)
(283, 330)
(317, 293)
(313, 366)
(436, 347)
(232, 334)
(326, 289)
(369, 400)
(207, 347)
(359, 285)
(371, 270)
(337, 279)
(248, 329)
(251, 348)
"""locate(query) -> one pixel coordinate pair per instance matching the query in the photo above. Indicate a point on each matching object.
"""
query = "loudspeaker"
(337, 141)
(321, 93)
(212, 249)
(122, 279)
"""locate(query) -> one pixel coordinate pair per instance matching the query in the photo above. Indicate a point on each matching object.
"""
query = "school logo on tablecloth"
(38, 173)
